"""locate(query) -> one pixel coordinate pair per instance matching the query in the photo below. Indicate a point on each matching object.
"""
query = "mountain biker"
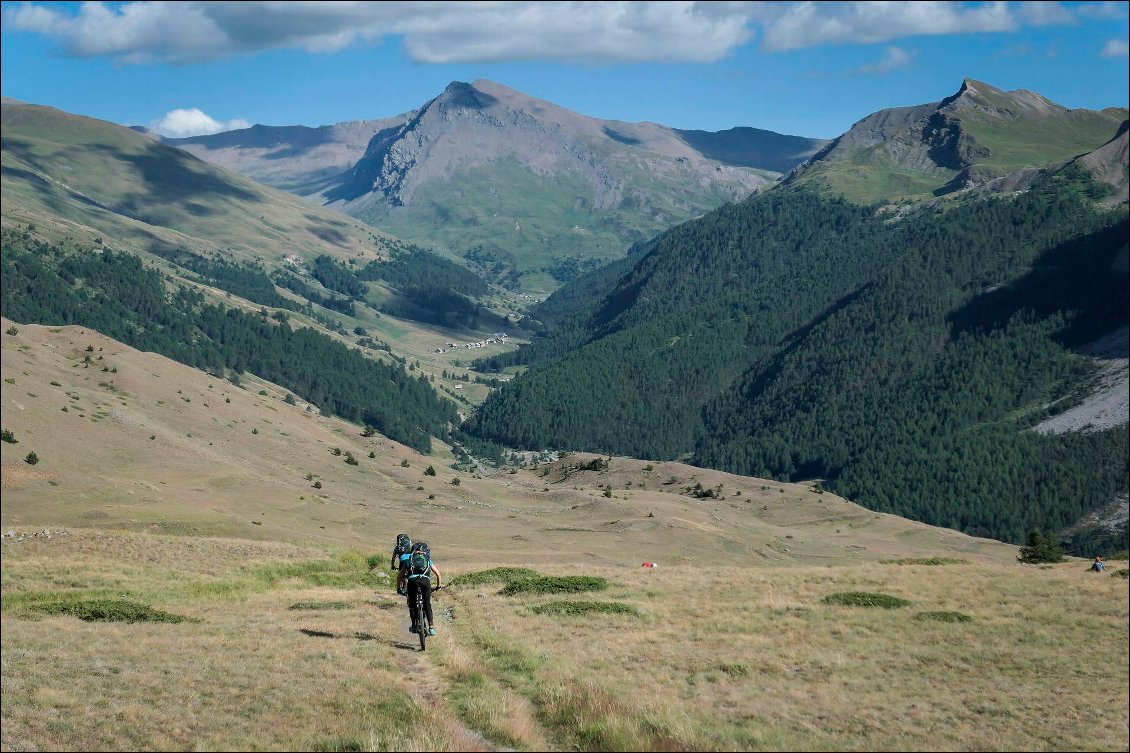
(418, 575)
(399, 555)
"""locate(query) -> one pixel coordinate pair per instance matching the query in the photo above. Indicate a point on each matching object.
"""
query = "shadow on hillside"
(1076, 280)
(170, 179)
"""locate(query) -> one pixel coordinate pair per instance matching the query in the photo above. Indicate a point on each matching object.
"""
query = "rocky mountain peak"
(462, 94)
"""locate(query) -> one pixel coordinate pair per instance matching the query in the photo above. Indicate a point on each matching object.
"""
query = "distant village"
(499, 338)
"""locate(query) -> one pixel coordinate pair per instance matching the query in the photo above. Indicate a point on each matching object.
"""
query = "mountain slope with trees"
(897, 357)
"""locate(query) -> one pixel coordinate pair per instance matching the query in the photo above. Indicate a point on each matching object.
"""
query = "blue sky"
(803, 68)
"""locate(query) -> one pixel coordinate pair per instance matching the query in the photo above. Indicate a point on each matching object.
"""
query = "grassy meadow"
(204, 585)
(305, 648)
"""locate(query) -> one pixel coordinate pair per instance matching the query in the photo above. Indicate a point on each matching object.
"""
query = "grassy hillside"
(63, 168)
(86, 185)
(293, 648)
(165, 494)
(978, 135)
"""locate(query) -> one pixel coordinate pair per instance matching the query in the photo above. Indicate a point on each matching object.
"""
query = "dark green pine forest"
(901, 361)
(117, 295)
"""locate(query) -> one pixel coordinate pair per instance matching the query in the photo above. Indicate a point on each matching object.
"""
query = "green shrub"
(734, 670)
(8, 437)
(1121, 573)
(943, 616)
(429, 471)
(863, 599)
(108, 610)
(374, 561)
(320, 605)
(1041, 548)
(926, 561)
(31, 458)
(554, 584)
(495, 575)
(572, 608)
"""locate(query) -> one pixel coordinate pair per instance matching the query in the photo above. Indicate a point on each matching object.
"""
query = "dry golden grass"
(168, 497)
(751, 658)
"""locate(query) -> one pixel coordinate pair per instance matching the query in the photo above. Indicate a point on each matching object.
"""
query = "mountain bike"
(420, 618)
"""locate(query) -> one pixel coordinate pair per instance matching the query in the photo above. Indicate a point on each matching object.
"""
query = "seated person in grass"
(1098, 565)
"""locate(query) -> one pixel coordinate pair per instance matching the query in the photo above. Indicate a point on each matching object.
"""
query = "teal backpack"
(419, 564)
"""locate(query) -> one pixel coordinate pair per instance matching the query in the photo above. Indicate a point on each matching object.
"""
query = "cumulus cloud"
(489, 31)
(893, 59)
(1116, 48)
(179, 124)
(434, 32)
(809, 24)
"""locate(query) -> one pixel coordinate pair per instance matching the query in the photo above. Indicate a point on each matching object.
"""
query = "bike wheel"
(421, 621)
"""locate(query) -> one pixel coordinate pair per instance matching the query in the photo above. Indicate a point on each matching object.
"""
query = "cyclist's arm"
(436, 571)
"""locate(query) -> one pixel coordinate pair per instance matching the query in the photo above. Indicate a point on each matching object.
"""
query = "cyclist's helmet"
(403, 542)
(422, 546)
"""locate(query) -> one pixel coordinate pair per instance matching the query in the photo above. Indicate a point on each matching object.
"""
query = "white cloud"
(893, 59)
(809, 24)
(1116, 48)
(1106, 10)
(179, 124)
(1045, 14)
(487, 31)
(434, 32)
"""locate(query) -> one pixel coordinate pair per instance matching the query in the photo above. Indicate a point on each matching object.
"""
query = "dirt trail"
(430, 690)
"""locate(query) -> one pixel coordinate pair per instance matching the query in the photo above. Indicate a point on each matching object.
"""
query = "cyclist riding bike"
(418, 575)
(400, 555)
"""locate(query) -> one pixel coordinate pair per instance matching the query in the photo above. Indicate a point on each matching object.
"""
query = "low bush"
(572, 608)
(320, 605)
(863, 599)
(943, 616)
(1123, 573)
(108, 610)
(495, 575)
(554, 584)
(926, 561)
